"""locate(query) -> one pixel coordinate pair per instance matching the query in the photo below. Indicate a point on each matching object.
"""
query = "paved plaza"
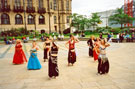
(81, 76)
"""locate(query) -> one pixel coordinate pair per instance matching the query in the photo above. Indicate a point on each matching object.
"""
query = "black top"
(47, 44)
(54, 50)
(89, 42)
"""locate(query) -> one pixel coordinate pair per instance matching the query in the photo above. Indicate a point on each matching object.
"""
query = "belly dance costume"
(71, 53)
(53, 67)
(103, 63)
(46, 51)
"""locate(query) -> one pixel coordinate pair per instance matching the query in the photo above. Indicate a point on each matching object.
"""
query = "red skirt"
(95, 55)
(19, 57)
(71, 57)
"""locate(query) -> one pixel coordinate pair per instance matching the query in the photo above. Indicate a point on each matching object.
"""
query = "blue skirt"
(33, 62)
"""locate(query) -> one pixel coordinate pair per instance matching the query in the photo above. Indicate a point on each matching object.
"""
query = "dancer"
(47, 45)
(53, 67)
(103, 63)
(96, 49)
(19, 56)
(90, 43)
(33, 62)
(71, 53)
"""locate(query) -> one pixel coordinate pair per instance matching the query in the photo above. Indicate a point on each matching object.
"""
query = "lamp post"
(35, 23)
(49, 13)
(106, 20)
(59, 18)
(24, 17)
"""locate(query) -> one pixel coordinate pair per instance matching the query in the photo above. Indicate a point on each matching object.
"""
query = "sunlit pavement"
(81, 76)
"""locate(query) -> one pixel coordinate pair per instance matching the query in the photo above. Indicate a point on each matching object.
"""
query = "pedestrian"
(127, 37)
(132, 37)
(33, 63)
(62, 37)
(121, 37)
(19, 56)
(109, 37)
(71, 53)
(13, 40)
(53, 67)
(118, 37)
(101, 36)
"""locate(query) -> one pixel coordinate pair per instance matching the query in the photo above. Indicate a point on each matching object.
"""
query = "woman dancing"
(47, 45)
(96, 49)
(90, 43)
(33, 62)
(103, 63)
(71, 53)
(53, 67)
(19, 56)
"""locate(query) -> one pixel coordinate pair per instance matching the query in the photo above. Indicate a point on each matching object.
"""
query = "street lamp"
(35, 23)
(59, 18)
(24, 17)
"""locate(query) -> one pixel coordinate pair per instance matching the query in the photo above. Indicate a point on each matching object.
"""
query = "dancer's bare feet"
(50, 78)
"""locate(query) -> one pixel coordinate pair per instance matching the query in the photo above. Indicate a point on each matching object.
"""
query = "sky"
(86, 7)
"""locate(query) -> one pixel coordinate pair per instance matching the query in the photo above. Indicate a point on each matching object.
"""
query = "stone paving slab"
(81, 76)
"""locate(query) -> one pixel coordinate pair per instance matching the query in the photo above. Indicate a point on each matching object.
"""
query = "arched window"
(5, 19)
(41, 19)
(18, 19)
(31, 19)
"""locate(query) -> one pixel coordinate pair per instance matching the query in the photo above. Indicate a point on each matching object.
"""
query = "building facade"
(47, 15)
(128, 8)
(104, 16)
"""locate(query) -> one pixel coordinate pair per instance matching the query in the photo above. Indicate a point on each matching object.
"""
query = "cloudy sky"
(86, 7)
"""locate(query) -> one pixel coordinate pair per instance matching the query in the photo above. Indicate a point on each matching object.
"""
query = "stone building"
(48, 15)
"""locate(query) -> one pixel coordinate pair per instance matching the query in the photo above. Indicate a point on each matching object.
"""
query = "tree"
(120, 18)
(95, 20)
(79, 21)
(75, 20)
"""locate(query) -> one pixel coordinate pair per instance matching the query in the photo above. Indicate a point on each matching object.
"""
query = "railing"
(30, 9)
(5, 8)
(18, 9)
(42, 10)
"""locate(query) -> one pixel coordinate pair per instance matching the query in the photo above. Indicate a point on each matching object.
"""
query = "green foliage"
(95, 20)
(82, 22)
(115, 30)
(120, 18)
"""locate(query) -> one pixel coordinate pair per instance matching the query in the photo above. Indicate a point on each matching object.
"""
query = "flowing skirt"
(91, 52)
(46, 53)
(71, 57)
(53, 67)
(33, 62)
(19, 57)
(95, 55)
(103, 66)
